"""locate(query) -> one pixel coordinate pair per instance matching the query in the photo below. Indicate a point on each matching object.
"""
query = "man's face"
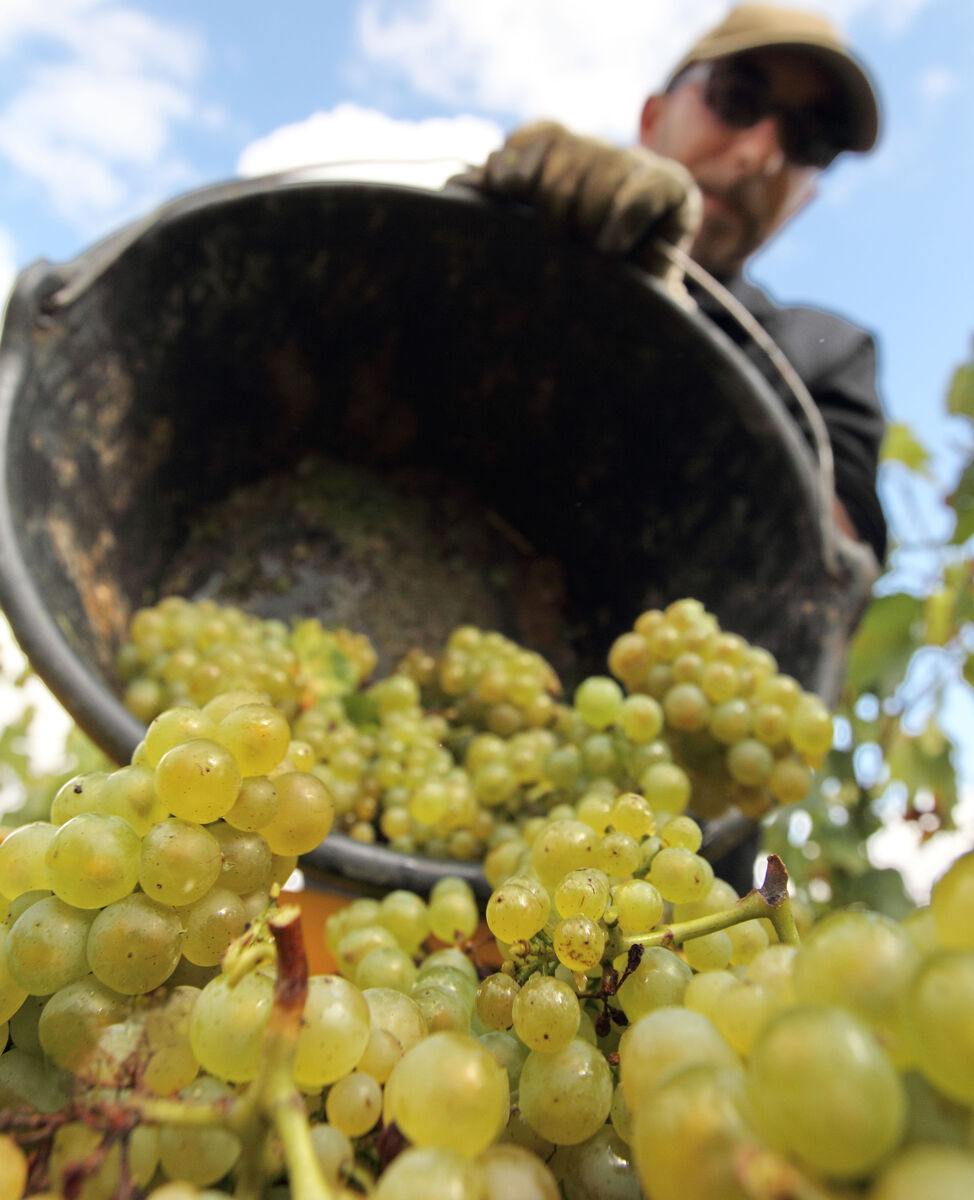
(749, 185)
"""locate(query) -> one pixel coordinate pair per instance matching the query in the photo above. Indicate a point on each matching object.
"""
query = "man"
(730, 150)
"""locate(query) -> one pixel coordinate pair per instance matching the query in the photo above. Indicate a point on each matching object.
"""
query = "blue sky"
(110, 107)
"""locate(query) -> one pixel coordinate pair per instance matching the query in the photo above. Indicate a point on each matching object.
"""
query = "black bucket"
(618, 435)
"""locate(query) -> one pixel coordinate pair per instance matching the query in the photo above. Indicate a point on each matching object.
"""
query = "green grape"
(822, 1090)
(382, 1052)
(177, 725)
(711, 952)
(199, 1154)
(134, 944)
(354, 1104)
(443, 1008)
(228, 1023)
(951, 904)
(75, 1143)
(93, 860)
(683, 832)
(46, 946)
(450, 1092)
(516, 913)
(686, 708)
(730, 721)
(937, 1012)
(747, 939)
(512, 1171)
(334, 1152)
(719, 682)
(73, 1018)
(30, 1081)
(810, 728)
(860, 961)
(680, 876)
(667, 787)
(23, 1026)
(618, 854)
(420, 1172)
(170, 1063)
(600, 1168)
(790, 781)
(688, 1134)
(198, 780)
(246, 859)
(579, 942)
(210, 925)
(78, 795)
(13, 1169)
(22, 854)
(304, 816)
(664, 1042)
(560, 847)
(585, 892)
(396, 1014)
(495, 1000)
(257, 736)
(641, 719)
(130, 793)
(452, 911)
(12, 995)
(255, 805)
(358, 943)
(179, 861)
(660, 979)
(598, 701)
(599, 755)
(545, 1014)
(385, 966)
(933, 1172)
(406, 917)
(750, 762)
(566, 1096)
(743, 1011)
(638, 906)
(629, 659)
(334, 1032)
(773, 969)
(632, 814)
(563, 765)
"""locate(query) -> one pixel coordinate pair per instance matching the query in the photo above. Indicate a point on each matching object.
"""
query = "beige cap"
(756, 26)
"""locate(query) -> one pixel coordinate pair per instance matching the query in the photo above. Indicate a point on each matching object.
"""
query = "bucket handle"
(822, 445)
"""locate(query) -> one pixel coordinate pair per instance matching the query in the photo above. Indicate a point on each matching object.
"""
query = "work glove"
(624, 201)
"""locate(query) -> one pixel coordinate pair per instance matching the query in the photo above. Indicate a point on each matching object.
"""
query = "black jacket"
(837, 363)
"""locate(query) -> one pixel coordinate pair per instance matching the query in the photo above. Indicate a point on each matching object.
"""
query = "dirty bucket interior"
(492, 424)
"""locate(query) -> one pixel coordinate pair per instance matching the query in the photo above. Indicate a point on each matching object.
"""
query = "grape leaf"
(900, 445)
(961, 500)
(883, 645)
(960, 398)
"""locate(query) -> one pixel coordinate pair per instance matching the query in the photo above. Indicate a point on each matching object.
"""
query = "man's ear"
(649, 118)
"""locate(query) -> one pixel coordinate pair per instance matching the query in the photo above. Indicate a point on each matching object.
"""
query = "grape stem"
(279, 1098)
(769, 901)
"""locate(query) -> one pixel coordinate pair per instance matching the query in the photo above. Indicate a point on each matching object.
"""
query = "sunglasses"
(740, 95)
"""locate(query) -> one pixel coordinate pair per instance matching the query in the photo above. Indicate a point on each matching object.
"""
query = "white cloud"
(361, 143)
(589, 67)
(934, 83)
(93, 123)
(8, 268)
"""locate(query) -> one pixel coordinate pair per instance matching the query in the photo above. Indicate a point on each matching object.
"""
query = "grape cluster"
(633, 1028)
(455, 755)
